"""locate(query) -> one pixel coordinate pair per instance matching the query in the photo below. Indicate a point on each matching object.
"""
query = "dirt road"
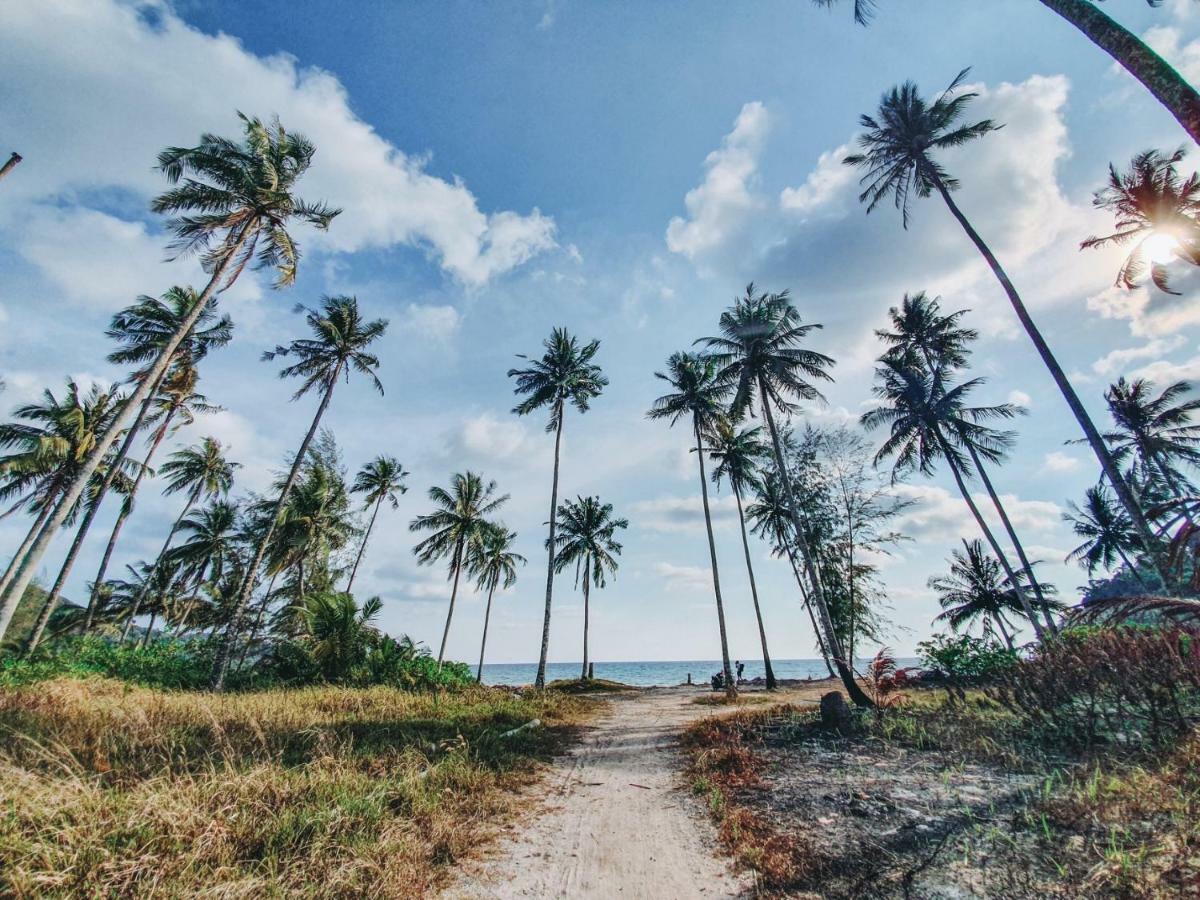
(614, 822)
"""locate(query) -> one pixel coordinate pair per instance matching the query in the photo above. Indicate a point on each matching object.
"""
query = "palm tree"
(700, 396)
(898, 158)
(761, 357)
(976, 590)
(1157, 431)
(493, 563)
(379, 480)
(586, 537)
(315, 523)
(564, 374)
(338, 632)
(203, 557)
(928, 419)
(737, 454)
(1106, 532)
(203, 471)
(1155, 209)
(338, 346)
(457, 524)
(233, 209)
(1158, 76)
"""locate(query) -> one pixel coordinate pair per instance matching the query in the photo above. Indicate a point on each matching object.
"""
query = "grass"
(588, 686)
(113, 790)
(722, 699)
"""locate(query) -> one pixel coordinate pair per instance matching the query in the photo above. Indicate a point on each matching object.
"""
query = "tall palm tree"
(761, 357)
(379, 480)
(493, 562)
(976, 590)
(737, 454)
(1158, 432)
(316, 523)
(928, 419)
(898, 147)
(564, 374)
(234, 209)
(174, 406)
(202, 471)
(699, 396)
(1157, 211)
(587, 537)
(1169, 86)
(1106, 532)
(212, 544)
(338, 347)
(457, 524)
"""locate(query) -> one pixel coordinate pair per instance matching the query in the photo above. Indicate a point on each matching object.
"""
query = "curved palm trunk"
(811, 618)
(1157, 75)
(586, 597)
(10, 163)
(730, 684)
(149, 582)
(125, 513)
(453, 597)
(1004, 632)
(857, 695)
(1132, 568)
(17, 562)
(17, 588)
(762, 632)
(1051, 626)
(540, 681)
(487, 617)
(1107, 463)
(363, 546)
(262, 609)
(225, 652)
(149, 629)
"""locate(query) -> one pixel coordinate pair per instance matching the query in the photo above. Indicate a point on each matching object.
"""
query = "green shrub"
(964, 660)
(166, 663)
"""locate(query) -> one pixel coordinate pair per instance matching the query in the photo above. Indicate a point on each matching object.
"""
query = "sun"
(1160, 247)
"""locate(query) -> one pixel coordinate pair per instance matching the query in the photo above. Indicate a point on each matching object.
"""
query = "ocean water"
(650, 674)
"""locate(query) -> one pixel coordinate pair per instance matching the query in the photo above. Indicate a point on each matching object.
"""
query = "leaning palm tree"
(233, 209)
(339, 346)
(761, 358)
(493, 562)
(898, 155)
(737, 454)
(202, 471)
(203, 558)
(563, 374)
(1157, 211)
(457, 524)
(587, 538)
(699, 396)
(1107, 535)
(1158, 432)
(379, 480)
(1169, 87)
(976, 590)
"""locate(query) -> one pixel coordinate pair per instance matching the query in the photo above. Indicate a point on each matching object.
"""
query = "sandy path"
(614, 822)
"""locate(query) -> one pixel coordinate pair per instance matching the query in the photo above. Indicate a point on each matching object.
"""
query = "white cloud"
(429, 321)
(1150, 312)
(684, 578)
(493, 438)
(723, 202)
(1167, 41)
(1162, 372)
(826, 182)
(1020, 398)
(683, 513)
(1057, 461)
(1116, 362)
(122, 106)
(939, 514)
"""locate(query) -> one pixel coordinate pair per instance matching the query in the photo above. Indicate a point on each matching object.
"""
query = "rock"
(835, 712)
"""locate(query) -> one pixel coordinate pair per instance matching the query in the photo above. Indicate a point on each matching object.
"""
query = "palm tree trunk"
(730, 684)
(1051, 626)
(149, 629)
(586, 598)
(225, 651)
(540, 681)
(487, 616)
(17, 588)
(1004, 633)
(10, 163)
(126, 511)
(453, 596)
(1157, 75)
(148, 584)
(262, 609)
(857, 695)
(762, 631)
(363, 546)
(811, 618)
(948, 454)
(1132, 568)
(18, 560)
(1107, 463)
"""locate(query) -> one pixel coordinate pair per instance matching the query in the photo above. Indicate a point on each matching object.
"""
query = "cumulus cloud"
(1057, 461)
(1116, 362)
(684, 578)
(683, 513)
(825, 183)
(939, 514)
(120, 107)
(430, 321)
(493, 438)
(1163, 372)
(1020, 398)
(1150, 312)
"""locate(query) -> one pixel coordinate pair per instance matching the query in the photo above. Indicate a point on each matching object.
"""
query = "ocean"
(650, 674)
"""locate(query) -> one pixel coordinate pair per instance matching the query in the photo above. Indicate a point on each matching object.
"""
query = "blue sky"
(622, 169)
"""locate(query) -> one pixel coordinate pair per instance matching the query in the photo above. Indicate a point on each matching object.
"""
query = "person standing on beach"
(741, 667)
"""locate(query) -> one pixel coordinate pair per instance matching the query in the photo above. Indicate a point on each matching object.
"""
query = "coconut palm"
(976, 590)
(1106, 532)
(737, 454)
(379, 480)
(233, 209)
(212, 544)
(1157, 432)
(1158, 76)
(316, 523)
(338, 633)
(563, 374)
(761, 358)
(586, 537)
(494, 564)
(457, 524)
(339, 346)
(700, 397)
(898, 155)
(1156, 211)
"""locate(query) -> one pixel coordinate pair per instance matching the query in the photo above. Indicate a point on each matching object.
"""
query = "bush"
(168, 664)
(964, 660)
(1123, 684)
(386, 662)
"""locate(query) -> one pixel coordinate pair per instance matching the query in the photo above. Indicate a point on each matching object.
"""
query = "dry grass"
(113, 791)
